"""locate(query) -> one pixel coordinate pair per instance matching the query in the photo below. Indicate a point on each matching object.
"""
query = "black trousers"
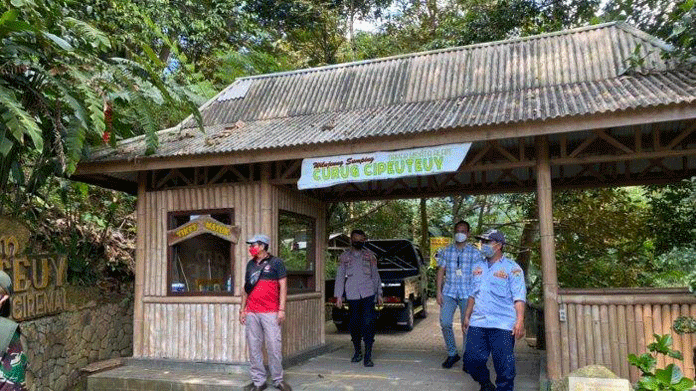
(362, 321)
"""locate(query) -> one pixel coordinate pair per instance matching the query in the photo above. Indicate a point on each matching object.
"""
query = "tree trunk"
(526, 241)
(483, 210)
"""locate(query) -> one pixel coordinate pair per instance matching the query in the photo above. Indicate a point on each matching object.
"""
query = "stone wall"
(59, 346)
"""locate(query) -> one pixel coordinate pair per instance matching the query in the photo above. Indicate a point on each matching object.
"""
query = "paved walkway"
(404, 361)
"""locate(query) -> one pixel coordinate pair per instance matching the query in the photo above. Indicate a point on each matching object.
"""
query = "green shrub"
(669, 378)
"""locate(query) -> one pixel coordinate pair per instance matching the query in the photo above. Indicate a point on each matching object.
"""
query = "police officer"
(358, 277)
(494, 315)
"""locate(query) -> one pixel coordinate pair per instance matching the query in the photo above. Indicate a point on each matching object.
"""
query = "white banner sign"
(332, 170)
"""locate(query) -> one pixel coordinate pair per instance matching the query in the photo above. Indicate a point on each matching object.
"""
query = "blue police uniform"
(495, 290)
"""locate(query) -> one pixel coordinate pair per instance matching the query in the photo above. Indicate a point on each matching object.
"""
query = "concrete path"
(404, 361)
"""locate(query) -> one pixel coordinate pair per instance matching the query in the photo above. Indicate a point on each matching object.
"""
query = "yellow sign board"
(436, 244)
(186, 230)
(201, 225)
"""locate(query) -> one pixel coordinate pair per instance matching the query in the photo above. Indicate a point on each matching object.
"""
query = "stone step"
(136, 377)
(173, 375)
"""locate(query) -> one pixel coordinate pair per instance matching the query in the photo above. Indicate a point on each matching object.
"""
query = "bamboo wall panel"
(244, 199)
(195, 332)
(300, 330)
(201, 329)
(603, 328)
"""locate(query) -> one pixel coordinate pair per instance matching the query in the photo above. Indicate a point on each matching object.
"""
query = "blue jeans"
(482, 342)
(449, 305)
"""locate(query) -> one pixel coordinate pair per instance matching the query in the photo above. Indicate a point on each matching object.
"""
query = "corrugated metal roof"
(574, 72)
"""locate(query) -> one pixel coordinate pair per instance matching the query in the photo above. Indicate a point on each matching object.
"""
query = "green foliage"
(62, 91)
(672, 21)
(668, 378)
(684, 325)
(293, 259)
(674, 268)
(93, 227)
(673, 207)
(611, 254)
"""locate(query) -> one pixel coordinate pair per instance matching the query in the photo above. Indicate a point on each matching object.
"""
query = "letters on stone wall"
(37, 280)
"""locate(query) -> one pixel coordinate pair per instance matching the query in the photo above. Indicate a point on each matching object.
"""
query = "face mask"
(254, 251)
(358, 245)
(460, 237)
(487, 250)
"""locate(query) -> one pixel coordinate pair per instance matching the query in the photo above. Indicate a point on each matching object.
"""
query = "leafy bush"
(669, 378)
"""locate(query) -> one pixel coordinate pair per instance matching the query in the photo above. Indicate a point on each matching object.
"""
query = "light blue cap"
(259, 238)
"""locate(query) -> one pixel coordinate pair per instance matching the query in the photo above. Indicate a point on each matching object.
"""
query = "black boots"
(357, 356)
(451, 360)
(368, 357)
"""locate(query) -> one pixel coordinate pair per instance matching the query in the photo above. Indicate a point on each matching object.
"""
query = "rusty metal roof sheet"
(568, 73)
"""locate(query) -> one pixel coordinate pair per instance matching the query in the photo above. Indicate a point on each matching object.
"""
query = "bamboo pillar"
(139, 267)
(548, 259)
(267, 207)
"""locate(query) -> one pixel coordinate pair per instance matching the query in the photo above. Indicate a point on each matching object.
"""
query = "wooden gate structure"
(559, 111)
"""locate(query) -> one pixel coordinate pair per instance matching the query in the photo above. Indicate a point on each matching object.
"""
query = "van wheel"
(343, 326)
(408, 316)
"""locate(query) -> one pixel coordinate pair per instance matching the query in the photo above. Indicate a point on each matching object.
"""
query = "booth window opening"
(200, 253)
(297, 248)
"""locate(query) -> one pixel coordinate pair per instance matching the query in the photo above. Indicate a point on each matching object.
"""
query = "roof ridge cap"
(627, 27)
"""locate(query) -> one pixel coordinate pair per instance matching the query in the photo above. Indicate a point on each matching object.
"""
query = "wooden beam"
(611, 140)
(621, 158)
(287, 181)
(479, 155)
(164, 180)
(267, 211)
(140, 260)
(293, 167)
(239, 175)
(222, 171)
(439, 137)
(193, 299)
(656, 140)
(681, 137)
(584, 145)
(503, 151)
(548, 259)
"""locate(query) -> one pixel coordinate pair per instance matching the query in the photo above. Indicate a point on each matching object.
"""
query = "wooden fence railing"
(603, 326)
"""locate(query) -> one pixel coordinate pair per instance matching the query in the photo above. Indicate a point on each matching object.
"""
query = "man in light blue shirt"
(494, 315)
(454, 278)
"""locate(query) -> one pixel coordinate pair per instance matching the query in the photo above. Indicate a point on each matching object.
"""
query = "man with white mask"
(454, 280)
(494, 315)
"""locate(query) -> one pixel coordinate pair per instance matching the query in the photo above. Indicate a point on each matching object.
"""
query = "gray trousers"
(260, 327)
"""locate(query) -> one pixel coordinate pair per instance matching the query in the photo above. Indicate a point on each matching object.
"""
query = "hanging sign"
(332, 170)
(201, 225)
